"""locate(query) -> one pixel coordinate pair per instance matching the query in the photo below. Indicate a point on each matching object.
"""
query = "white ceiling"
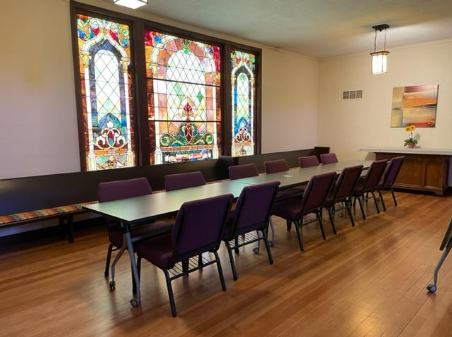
(318, 28)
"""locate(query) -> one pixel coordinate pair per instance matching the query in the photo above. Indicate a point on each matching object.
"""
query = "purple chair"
(343, 193)
(252, 213)
(276, 166)
(369, 184)
(192, 235)
(308, 161)
(389, 178)
(123, 189)
(183, 180)
(242, 171)
(313, 200)
(328, 158)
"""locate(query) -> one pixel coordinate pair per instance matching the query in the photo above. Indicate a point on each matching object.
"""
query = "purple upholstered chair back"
(254, 207)
(392, 171)
(275, 166)
(308, 161)
(328, 158)
(317, 191)
(346, 183)
(123, 189)
(199, 226)
(179, 181)
(374, 174)
(242, 171)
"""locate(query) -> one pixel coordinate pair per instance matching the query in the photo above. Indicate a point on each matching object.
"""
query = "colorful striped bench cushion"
(41, 213)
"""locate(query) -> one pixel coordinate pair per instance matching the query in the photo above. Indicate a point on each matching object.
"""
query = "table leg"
(113, 265)
(433, 287)
(272, 228)
(128, 239)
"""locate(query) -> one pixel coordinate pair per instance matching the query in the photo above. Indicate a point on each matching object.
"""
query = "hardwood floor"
(366, 281)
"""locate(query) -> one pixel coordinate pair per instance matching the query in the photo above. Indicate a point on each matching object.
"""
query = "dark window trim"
(138, 68)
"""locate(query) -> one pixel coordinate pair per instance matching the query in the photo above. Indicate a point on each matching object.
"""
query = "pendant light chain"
(375, 42)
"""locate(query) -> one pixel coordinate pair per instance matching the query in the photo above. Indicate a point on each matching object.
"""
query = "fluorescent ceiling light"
(134, 4)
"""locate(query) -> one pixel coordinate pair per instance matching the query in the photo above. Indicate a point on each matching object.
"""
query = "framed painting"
(414, 105)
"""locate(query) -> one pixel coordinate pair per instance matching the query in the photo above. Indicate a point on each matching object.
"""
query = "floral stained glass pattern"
(183, 83)
(104, 50)
(243, 77)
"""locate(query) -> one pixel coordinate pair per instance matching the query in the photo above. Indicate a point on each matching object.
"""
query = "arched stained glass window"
(104, 57)
(243, 77)
(183, 82)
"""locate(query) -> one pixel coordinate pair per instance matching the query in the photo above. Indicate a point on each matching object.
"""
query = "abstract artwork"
(106, 88)
(243, 77)
(414, 105)
(184, 109)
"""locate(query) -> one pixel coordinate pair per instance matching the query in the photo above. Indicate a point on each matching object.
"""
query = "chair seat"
(359, 190)
(290, 193)
(288, 209)
(157, 250)
(145, 231)
(228, 234)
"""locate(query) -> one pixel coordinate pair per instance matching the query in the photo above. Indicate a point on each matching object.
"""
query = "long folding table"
(135, 211)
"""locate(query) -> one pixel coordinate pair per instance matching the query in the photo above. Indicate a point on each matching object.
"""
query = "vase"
(411, 145)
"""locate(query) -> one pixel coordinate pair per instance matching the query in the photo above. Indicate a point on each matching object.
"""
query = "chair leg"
(220, 271)
(348, 205)
(289, 225)
(107, 263)
(185, 266)
(319, 217)
(382, 200)
(330, 213)
(361, 207)
(170, 293)
(376, 203)
(267, 246)
(297, 228)
(393, 197)
(200, 261)
(236, 242)
(231, 259)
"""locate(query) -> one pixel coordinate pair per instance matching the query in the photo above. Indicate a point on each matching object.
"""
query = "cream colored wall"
(38, 130)
(346, 125)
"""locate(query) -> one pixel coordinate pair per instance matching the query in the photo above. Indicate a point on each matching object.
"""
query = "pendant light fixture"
(380, 58)
(134, 4)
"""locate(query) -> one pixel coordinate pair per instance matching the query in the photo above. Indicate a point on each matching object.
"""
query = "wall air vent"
(352, 94)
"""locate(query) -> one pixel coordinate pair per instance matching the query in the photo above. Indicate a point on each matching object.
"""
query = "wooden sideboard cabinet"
(422, 170)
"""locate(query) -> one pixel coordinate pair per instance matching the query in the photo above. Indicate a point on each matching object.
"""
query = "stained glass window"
(104, 58)
(243, 77)
(183, 83)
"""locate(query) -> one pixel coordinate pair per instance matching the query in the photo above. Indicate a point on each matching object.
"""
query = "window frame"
(139, 89)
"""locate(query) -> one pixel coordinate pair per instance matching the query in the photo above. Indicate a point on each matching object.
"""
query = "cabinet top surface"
(417, 150)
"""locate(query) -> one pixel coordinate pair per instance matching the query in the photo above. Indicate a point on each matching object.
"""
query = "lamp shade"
(379, 62)
(131, 3)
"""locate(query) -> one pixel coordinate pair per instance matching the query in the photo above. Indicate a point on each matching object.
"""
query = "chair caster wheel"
(256, 250)
(431, 288)
(112, 285)
(134, 303)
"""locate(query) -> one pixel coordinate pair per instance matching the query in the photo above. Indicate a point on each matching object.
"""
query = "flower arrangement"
(410, 141)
